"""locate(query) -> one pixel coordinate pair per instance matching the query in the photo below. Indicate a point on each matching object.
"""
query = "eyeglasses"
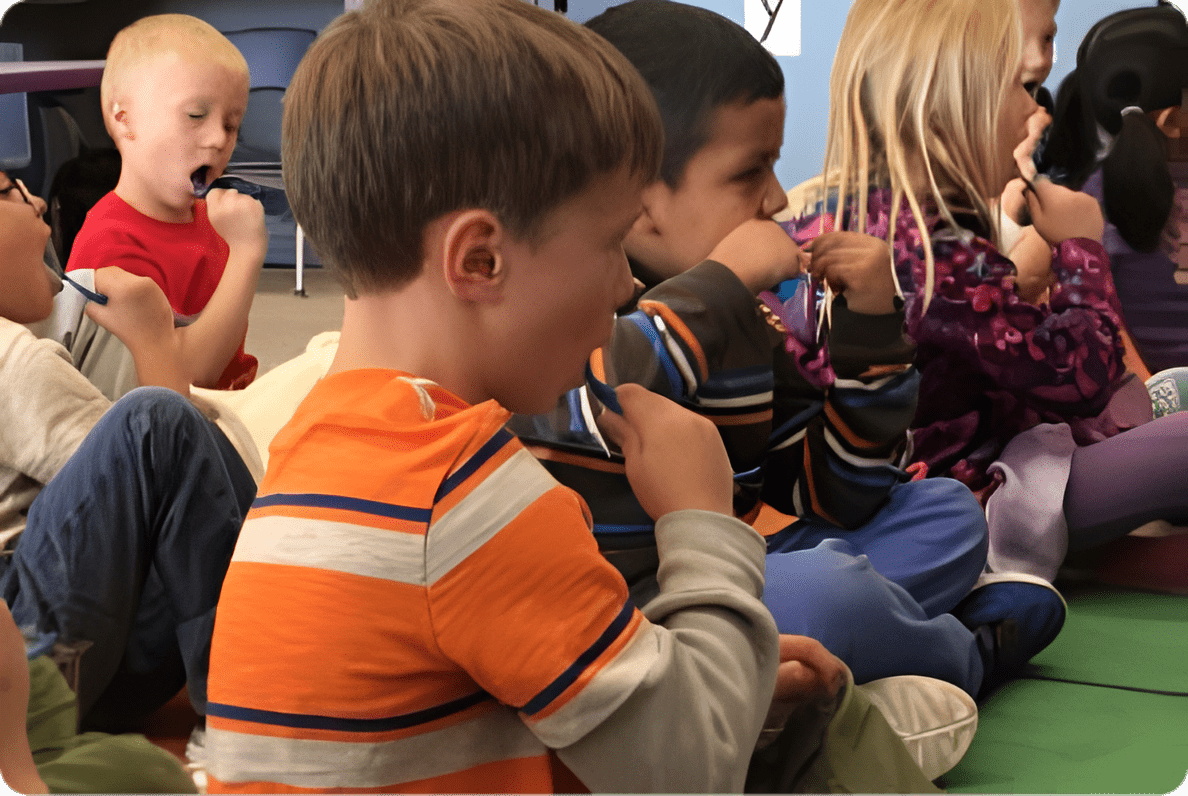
(20, 187)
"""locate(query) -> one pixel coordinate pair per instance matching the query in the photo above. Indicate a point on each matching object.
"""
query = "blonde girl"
(1022, 402)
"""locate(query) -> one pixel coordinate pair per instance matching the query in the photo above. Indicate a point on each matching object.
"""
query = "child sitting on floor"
(1141, 178)
(477, 228)
(115, 530)
(41, 750)
(174, 91)
(815, 427)
(1028, 403)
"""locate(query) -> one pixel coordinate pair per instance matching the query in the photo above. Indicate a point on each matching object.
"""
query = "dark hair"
(1134, 58)
(694, 61)
(1138, 193)
(407, 110)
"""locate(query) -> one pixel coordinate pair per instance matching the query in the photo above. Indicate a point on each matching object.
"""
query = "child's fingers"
(812, 653)
(1031, 196)
(1023, 157)
(121, 286)
(617, 428)
(795, 681)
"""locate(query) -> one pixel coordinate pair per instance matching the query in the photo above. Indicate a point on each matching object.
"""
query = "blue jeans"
(127, 548)
(877, 597)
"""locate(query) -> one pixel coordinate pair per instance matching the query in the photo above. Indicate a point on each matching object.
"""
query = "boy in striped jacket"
(813, 408)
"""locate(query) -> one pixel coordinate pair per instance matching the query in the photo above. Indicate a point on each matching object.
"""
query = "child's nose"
(774, 199)
(219, 137)
(625, 286)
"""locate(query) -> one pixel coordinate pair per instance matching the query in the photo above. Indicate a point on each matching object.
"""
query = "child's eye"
(197, 115)
(750, 174)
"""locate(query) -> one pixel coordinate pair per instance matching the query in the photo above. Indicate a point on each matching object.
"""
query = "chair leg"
(299, 290)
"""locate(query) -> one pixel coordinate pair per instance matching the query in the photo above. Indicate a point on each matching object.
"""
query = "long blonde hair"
(920, 84)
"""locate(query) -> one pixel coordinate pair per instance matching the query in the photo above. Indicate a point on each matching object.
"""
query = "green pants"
(93, 762)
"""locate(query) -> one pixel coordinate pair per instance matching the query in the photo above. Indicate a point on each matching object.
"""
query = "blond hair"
(406, 110)
(152, 36)
(920, 83)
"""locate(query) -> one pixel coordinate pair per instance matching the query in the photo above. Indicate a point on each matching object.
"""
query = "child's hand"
(760, 253)
(1036, 124)
(136, 311)
(675, 459)
(1058, 213)
(1032, 257)
(857, 266)
(807, 671)
(239, 220)
(808, 674)
(1014, 202)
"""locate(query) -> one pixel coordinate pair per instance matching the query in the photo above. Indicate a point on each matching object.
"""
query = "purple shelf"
(17, 76)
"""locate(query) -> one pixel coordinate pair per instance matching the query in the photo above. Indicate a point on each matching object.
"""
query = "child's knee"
(149, 411)
(950, 508)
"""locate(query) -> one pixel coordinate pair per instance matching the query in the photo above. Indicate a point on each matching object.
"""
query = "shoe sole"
(935, 719)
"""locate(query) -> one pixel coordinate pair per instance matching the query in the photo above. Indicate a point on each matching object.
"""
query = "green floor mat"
(1121, 638)
(1036, 736)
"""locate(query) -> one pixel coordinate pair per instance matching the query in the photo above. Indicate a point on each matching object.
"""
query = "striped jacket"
(811, 428)
(414, 604)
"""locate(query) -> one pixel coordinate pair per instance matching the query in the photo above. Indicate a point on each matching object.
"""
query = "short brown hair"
(407, 110)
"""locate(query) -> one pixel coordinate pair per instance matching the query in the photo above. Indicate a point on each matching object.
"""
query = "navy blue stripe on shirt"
(738, 383)
(490, 448)
(798, 422)
(317, 501)
(899, 391)
(675, 382)
(570, 675)
(617, 529)
(311, 722)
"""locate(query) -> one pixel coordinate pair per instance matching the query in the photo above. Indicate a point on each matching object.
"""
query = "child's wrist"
(247, 255)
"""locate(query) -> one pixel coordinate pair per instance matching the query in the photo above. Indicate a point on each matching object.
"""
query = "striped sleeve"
(701, 339)
(834, 454)
(521, 599)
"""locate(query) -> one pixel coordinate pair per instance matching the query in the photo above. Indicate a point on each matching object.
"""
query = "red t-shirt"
(185, 260)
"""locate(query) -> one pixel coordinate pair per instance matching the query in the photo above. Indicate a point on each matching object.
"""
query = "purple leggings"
(1118, 484)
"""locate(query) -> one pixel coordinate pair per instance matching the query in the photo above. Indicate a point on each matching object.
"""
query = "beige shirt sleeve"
(46, 409)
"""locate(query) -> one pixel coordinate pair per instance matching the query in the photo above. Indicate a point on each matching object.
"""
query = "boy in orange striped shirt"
(414, 603)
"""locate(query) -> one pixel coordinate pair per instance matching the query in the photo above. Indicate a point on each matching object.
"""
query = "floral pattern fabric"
(991, 364)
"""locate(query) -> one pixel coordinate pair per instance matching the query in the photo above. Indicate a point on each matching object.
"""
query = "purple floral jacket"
(993, 365)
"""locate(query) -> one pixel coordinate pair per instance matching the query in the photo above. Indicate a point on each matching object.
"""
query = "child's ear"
(472, 255)
(1166, 120)
(118, 122)
(650, 222)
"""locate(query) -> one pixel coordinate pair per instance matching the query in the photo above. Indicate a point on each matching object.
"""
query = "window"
(776, 23)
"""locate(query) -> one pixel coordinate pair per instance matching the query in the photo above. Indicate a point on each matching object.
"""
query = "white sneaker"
(936, 720)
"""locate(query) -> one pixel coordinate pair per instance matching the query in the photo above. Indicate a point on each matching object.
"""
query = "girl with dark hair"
(1121, 135)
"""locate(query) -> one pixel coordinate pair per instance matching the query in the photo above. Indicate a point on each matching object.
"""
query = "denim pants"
(127, 548)
(877, 596)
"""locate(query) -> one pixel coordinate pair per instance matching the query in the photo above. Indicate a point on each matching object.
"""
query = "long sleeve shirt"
(414, 605)
(811, 429)
(993, 365)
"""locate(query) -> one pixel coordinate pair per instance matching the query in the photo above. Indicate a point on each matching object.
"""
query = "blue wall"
(807, 74)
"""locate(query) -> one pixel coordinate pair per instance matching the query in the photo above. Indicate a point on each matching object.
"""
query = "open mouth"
(198, 180)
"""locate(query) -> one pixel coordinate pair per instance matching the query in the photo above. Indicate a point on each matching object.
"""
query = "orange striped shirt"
(414, 604)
